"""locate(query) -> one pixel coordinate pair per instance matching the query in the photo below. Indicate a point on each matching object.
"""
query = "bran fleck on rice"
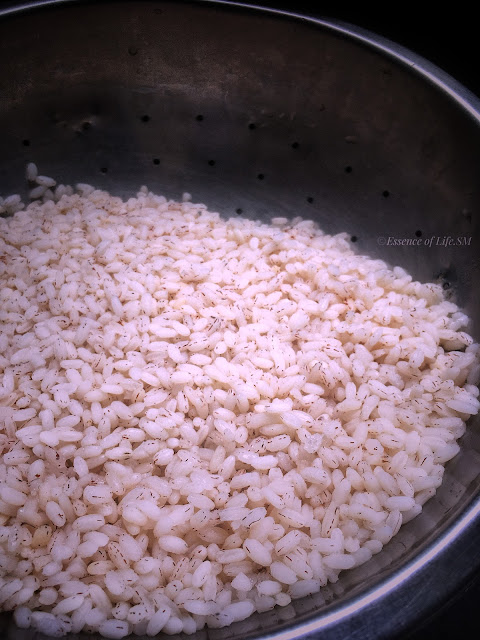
(202, 418)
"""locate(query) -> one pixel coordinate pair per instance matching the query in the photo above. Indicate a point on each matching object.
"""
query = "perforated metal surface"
(258, 113)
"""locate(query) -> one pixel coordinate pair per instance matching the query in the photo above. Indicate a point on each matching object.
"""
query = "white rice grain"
(187, 400)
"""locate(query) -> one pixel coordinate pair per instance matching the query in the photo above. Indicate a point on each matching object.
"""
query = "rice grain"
(202, 418)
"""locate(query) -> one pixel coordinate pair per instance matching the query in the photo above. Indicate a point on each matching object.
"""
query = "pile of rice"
(201, 418)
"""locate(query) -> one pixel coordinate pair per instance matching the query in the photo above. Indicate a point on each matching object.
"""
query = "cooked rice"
(202, 418)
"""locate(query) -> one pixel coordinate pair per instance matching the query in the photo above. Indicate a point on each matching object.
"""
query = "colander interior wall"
(256, 114)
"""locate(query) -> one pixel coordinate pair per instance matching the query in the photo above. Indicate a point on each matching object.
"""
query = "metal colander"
(257, 112)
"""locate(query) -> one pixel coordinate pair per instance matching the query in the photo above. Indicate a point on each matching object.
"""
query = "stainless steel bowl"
(258, 112)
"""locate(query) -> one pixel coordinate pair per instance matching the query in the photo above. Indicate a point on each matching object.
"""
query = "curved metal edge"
(434, 74)
(337, 622)
(397, 587)
(420, 65)
(26, 6)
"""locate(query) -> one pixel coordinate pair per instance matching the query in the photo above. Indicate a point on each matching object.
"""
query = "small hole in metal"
(252, 126)
(418, 233)
(199, 118)
(261, 176)
(156, 161)
(354, 238)
(86, 125)
(295, 145)
(309, 199)
(348, 169)
(211, 163)
(26, 143)
(145, 118)
(239, 211)
(104, 169)
(132, 50)
(386, 194)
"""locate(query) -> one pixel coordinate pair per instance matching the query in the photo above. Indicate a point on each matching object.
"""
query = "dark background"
(448, 38)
